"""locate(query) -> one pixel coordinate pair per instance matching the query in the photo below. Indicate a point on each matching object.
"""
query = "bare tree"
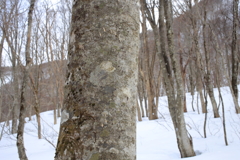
(207, 75)
(171, 72)
(28, 59)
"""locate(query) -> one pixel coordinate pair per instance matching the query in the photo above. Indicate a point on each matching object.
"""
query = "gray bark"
(20, 131)
(171, 73)
(36, 106)
(1, 78)
(207, 76)
(235, 61)
(148, 73)
(195, 44)
(98, 119)
(175, 96)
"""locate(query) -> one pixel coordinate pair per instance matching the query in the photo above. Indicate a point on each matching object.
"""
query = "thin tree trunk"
(145, 100)
(36, 107)
(176, 105)
(1, 78)
(225, 73)
(148, 74)
(192, 85)
(195, 45)
(139, 112)
(207, 78)
(235, 61)
(56, 105)
(223, 120)
(15, 97)
(205, 119)
(140, 95)
(20, 131)
(99, 114)
(222, 103)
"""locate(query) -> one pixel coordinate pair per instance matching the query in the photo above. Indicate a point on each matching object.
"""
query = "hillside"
(155, 139)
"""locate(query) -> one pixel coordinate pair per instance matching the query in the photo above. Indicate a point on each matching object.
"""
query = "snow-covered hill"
(155, 139)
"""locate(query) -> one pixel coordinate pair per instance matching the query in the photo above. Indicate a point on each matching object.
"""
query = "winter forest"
(119, 79)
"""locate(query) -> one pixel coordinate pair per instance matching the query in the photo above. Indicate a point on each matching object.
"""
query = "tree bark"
(148, 73)
(207, 77)
(195, 44)
(36, 106)
(99, 114)
(139, 112)
(20, 131)
(1, 78)
(175, 96)
(235, 61)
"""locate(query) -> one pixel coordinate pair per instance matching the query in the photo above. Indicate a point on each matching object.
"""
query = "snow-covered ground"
(155, 139)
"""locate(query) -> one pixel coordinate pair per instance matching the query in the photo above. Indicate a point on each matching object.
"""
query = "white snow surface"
(155, 139)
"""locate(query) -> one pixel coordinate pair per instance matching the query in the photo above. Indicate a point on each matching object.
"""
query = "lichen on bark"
(100, 90)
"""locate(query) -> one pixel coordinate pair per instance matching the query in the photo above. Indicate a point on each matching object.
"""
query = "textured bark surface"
(15, 109)
(36, 106)
(235, 61)
(99, 112)
(20, 131)
(175, 94)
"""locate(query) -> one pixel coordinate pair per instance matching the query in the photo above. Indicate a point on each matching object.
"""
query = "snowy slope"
(155, 139)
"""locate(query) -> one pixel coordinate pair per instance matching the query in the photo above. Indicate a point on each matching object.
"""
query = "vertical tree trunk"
(139, 112)
(1, 78)
(56, 104)
(235, 60)
(223, 61)
(222, 103)
(36, 106)
(205, 118)
(192, 84)
(20, 131)
(176, 104)
(207, 77)
(199, 69)
(99, 113)
(175, 95)
(15, 95)
(148, 73)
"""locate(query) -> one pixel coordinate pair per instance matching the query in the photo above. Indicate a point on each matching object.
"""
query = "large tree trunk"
(235, 61)
(99, 113)
(20, 131)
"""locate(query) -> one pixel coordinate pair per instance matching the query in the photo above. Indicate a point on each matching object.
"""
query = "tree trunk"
(235, 61)
(36, 107)
(1, 78)
(223, 61)
(20, 131)
(176, 104)
(148, 73)
(139, 112)
(15, 96)
(99, 114)
(199, 70)
(207, 77)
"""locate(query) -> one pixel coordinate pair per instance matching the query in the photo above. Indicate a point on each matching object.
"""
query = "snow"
(155, 139)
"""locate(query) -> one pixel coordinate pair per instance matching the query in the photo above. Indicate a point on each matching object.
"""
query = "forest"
(62, 53)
